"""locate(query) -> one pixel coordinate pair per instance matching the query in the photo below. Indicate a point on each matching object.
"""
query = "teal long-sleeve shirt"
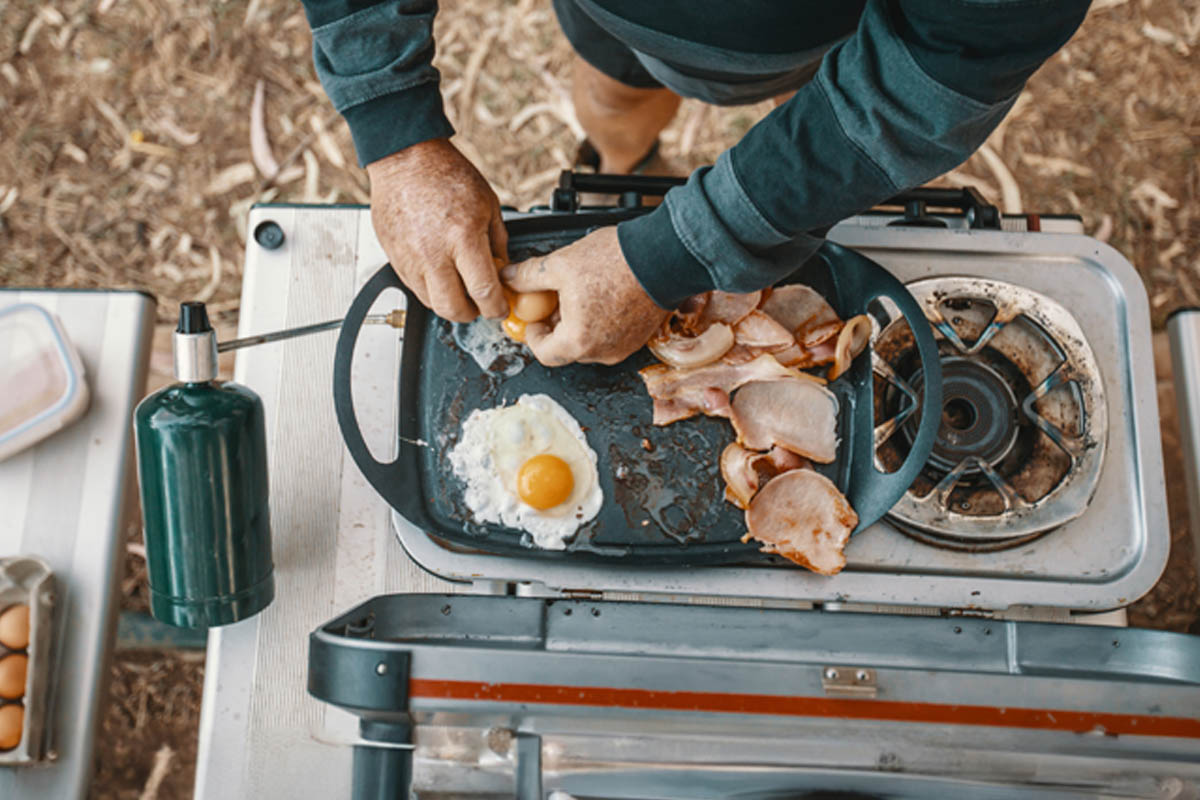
(908, 90)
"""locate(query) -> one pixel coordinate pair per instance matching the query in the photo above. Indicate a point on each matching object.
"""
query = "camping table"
(65, 500)
(261, 735)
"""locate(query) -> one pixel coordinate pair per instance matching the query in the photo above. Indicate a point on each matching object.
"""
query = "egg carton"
(29, 581)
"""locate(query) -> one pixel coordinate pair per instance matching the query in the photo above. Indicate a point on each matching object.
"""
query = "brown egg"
(534, 306)
(12, 718)
(14, 627)
(12, 675)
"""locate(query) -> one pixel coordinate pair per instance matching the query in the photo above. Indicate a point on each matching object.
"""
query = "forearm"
(374, 60)
(898, 103)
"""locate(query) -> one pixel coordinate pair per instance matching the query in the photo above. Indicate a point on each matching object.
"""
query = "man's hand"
(439, 223)
(603, 314)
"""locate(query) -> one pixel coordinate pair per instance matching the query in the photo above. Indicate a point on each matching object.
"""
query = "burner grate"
(1024, 419)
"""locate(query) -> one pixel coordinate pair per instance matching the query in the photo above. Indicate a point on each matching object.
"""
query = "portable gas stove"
(1045, 487)
(1042, 502)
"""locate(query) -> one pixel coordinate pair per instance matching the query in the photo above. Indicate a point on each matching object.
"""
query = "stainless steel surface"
(1062, 398)
(1183, 330)
(620, 691)
(67, 500)
(1105, 558)
(195, 356)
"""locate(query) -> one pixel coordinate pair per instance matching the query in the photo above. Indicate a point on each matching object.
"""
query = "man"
(887, 94)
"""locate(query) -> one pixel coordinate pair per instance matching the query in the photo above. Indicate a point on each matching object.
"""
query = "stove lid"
(696, 688)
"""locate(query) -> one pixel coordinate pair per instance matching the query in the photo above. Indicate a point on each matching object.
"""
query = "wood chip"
(260, 145)
(1010, 192)
(7, 198)
(230, 178)
(312, 177)
(1055, 166)
(158, 773)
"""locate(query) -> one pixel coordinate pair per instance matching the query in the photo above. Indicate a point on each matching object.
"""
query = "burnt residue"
(672, 488)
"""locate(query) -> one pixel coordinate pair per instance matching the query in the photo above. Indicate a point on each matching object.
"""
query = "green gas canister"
(202, 471)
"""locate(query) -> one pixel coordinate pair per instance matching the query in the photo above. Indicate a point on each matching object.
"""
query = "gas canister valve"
(849, 681)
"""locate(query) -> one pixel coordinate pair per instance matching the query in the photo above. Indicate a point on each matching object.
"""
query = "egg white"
(497, 441)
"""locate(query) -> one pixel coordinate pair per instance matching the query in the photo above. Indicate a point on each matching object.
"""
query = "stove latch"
(849, 682)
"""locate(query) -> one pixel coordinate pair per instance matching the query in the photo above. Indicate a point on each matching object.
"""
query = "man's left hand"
(603, 314)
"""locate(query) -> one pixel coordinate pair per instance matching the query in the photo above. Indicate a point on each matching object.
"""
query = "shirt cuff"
(388, 124)
(662, 265)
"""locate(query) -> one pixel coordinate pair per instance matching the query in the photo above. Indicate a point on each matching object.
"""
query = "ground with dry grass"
(126, 159)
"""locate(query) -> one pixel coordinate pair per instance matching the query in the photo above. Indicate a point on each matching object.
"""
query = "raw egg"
(12, 675)
(545, 481)
(14, 627)
(514, 327)
(12, 718)
(534, 306)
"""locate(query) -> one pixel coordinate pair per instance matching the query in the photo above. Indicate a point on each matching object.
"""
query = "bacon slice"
(692, 351)
(799, 415)
(728, 307)
(745, 470)
(686, 319)
(801, 516)
(804, 312)
(757, 330)
(689, 388)
(709, 401)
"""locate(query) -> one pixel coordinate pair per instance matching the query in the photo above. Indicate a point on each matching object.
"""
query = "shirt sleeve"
(374, 59)
(915, 91)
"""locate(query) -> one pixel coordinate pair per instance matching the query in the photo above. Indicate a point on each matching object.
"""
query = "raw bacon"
(796, 414)
(801, 516)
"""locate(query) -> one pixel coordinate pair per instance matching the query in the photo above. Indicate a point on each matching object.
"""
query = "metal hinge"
(849, 681)
(583, 594)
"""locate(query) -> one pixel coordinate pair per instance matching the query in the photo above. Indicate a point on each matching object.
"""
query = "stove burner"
(1021, 442)
(979, 416)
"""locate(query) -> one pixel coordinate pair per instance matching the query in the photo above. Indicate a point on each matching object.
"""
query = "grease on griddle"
(654, 488)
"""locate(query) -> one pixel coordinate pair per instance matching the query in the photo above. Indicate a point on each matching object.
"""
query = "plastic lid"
(42, 377)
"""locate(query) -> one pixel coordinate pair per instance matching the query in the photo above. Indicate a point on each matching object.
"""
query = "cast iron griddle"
(663, 493)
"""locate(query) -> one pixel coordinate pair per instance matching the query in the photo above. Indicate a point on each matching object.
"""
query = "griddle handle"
(387, 478)
(871, 492)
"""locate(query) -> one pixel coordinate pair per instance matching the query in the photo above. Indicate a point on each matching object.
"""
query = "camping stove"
(1045, 488)
(1024, 418)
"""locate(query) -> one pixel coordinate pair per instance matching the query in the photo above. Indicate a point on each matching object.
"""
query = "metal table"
(66, 500)
(261, 735)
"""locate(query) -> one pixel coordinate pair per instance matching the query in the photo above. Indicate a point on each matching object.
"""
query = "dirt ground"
(125, 161)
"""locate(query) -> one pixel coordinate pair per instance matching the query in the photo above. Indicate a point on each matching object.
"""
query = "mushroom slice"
(797, 414)
(801, 516)
(692, 351)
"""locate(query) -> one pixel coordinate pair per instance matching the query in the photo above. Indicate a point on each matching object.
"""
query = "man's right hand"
(439, 223)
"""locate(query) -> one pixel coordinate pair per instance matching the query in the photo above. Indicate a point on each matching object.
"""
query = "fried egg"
(528, 466)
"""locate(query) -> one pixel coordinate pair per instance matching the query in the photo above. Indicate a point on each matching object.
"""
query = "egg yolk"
(545, 481)
(514, 326)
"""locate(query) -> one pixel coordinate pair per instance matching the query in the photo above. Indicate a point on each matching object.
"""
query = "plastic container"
(27, 581)
(42, 375)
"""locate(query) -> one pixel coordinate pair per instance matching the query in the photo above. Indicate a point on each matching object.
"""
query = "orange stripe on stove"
(882, 710)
